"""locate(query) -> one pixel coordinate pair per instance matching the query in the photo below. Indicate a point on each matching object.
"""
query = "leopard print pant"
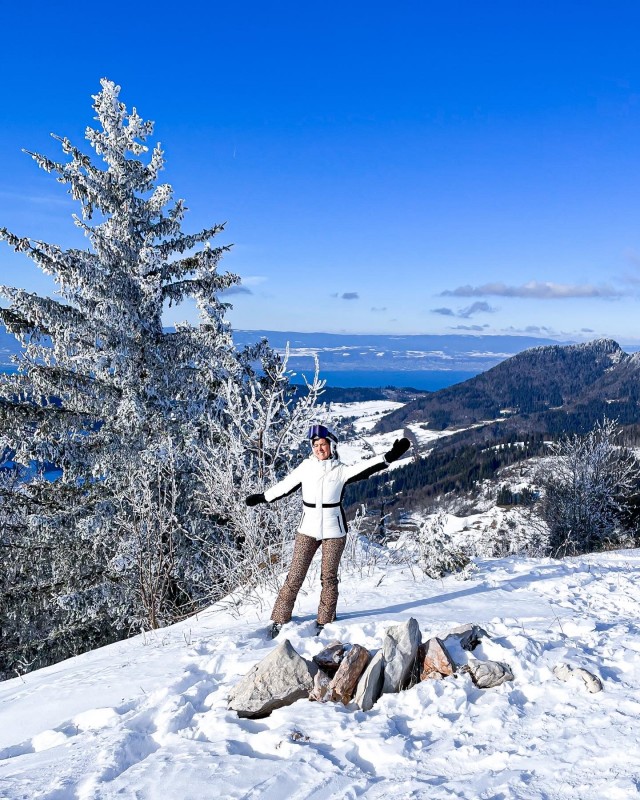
(303, 551)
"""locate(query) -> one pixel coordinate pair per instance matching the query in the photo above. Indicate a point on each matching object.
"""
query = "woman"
(322, 478)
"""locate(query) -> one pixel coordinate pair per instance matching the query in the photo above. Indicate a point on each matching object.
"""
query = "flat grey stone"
(487, 674)
(321, 687)
(468, 636)
(281, 678)
(565, 672)
(330, 657)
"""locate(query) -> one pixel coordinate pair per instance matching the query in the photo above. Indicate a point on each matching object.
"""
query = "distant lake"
(427, 380)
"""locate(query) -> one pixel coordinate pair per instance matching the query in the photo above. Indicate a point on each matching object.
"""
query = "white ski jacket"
(323, 485)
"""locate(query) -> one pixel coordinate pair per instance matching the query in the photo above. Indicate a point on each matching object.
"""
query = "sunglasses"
(321, 432)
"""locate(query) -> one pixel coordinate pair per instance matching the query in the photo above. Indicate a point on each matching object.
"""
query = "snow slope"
(365, 415)
(147, 718)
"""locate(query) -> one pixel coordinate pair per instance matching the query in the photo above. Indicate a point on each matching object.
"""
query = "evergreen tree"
(111, 399)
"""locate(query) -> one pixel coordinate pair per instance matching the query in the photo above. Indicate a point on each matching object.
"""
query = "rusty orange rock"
(346, 678)
(434, 659)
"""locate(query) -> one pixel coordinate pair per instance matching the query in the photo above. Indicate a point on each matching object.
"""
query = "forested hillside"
(506, 415)
(557, 381)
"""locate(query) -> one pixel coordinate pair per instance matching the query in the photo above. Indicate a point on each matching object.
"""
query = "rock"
(487, 674)
(321, 687)
(413, 679)
(329, 659)
(369, 686)
(468, 636)
(565, 672)
(278, 680)
(591, 681)
(434, 660)
(399, 651)
(346, 678)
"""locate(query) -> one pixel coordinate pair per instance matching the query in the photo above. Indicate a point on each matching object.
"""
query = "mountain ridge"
(548, 378)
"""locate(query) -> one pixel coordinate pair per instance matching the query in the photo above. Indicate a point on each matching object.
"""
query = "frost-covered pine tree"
(111, 399)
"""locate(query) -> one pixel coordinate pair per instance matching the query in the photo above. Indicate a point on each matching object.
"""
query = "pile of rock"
(350, 673)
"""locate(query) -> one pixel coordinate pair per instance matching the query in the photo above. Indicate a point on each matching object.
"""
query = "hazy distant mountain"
(598, 376)
(352, 352)
(374, 352)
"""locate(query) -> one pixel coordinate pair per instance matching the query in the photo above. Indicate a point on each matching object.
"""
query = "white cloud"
(476, 308)
(479, 307)
(236, 290)
(470, 327)
(446, 312)
(537, 290)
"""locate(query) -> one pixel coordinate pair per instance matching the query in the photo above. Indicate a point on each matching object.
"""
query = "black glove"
(254, 499)
(400, 447)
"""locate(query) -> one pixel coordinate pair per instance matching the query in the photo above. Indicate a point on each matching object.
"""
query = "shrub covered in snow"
(438, 554)
(258, 437)
(587, 483)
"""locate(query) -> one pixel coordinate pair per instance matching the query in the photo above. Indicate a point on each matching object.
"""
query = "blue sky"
(415, 167)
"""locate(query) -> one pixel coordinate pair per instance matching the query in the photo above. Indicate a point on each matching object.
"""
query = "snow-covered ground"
(147, 718)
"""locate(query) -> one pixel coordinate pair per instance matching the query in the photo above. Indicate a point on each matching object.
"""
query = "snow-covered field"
(147, 718)
(365, 444)
(367, 414)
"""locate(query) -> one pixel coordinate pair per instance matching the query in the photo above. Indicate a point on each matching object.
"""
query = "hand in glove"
(400, 447)
(254, 499)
